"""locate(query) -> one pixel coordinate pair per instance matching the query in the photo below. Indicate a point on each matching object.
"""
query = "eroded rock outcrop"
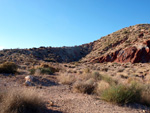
(133, 54)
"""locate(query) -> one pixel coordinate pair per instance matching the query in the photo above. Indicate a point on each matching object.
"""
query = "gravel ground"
(64, 101)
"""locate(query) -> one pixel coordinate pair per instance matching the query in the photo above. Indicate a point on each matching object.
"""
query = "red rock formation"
(131, 54)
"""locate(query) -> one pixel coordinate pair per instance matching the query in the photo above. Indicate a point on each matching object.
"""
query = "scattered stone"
(29, 78)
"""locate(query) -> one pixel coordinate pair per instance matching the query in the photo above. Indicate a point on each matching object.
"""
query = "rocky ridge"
(130, 44)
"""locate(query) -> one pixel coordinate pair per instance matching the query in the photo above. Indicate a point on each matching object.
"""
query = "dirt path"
(68, 102)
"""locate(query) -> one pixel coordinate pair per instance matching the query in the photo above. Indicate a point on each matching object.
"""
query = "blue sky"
(35, 23)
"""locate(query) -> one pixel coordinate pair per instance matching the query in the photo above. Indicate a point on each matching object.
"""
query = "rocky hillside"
(129, 44)
(47, 54)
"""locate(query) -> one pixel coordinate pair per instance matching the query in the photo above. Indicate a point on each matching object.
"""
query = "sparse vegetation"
(101, 86)
(109, 80)
(96, 76)
(145, 95)
(43, 69)
(121, 94)
(32, 71)
(66, 79)
(46, 70)
(97, 68)
(86, 70)
(22, 101)
(84, 86)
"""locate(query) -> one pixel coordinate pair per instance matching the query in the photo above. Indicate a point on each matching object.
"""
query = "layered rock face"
(133, 54)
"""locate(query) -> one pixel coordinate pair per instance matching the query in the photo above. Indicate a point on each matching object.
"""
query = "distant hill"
(47, 54)
(130, 44)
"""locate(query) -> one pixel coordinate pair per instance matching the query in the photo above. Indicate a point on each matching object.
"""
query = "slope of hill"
(130, 44)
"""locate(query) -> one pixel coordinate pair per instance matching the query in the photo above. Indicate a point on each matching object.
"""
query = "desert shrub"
(101, 86)
(131, 79)
(46, 70)
(32, 71)
(8, 67)
(66, 79)
(43, 70)
(85, 76)
(145, 96)
(96, 76)
(109, 80)
(22, 101)
(121, 94)
(86, 70)
(84, 86)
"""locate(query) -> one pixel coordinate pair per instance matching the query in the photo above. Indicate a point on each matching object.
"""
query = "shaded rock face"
(131, 54)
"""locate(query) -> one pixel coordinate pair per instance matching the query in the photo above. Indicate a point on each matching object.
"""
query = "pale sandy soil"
(67, 102)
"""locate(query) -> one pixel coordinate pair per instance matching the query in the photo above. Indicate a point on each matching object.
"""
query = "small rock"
(29, 78)
(28, 83)
(51, 103)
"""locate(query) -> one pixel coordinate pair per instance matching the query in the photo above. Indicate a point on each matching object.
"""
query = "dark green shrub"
(121, 94)
(8, 68)
(46, 70)
(32, 71)
(43, 70)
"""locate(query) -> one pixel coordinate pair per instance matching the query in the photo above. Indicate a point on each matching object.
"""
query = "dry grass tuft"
(86, 70)
(145, 96)
(109, 80)
(87, 86)
(22, 101)
(66, 79)
(101, 86)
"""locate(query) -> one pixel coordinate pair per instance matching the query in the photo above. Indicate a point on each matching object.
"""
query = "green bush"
(46, 70)
(32, 71)
(43, 70)
(8, 68)
(121, 94)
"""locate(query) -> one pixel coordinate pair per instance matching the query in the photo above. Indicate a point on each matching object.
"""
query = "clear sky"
(35, 23)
